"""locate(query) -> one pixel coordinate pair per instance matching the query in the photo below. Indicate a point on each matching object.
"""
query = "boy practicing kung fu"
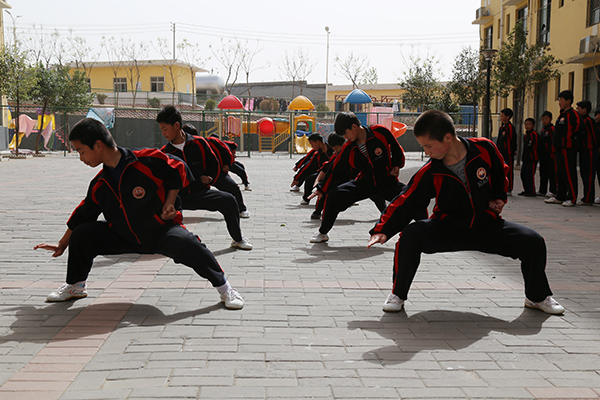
(136, 191)
(467, 177)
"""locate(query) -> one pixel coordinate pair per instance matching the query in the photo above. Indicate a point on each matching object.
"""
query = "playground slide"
(302, 144)
(398, 129)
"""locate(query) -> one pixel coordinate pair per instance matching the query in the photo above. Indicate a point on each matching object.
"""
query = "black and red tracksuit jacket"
(466, 206)
(531, 146)
(304, 159)
(566, 129)
(589, 134)
(507, 141)
(221, 150)
(312, 165)
(199, 157)
(546, 134)
(133, 206)
(384, 154)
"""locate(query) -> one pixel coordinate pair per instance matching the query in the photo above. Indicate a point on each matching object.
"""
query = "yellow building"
(381, 94)
(570, 27)
(3, 5)
(147, 78)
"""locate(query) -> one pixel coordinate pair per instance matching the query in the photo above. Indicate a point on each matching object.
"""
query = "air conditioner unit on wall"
(588, 44)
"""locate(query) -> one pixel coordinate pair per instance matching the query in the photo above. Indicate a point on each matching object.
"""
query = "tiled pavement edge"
(312, 326)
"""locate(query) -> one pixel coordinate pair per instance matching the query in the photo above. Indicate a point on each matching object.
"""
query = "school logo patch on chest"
(378, 151)
(481, 173)
(138, 192)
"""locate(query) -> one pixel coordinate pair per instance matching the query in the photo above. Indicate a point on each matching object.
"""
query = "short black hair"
(530, 120)
(335, 140)
(169, 115)
(345, 120)
(597, 112)
(89, 130)
(315, 137)
(191, 129)
(585, 104)
(547, 114)
(434, 123)
(567, 95)
(508, 112)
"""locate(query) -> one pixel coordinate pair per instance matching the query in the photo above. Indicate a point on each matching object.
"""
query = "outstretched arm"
(377, 238)
(59, 248)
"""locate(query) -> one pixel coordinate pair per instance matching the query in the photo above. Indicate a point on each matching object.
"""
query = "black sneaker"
(315, 215)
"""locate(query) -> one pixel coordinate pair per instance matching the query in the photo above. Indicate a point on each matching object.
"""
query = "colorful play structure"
(272, 132)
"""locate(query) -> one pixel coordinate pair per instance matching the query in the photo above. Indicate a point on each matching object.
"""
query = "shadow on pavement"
(34, 324)
(324, 252)
(440, 330)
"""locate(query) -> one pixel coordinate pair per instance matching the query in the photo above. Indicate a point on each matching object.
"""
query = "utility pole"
(174, 58)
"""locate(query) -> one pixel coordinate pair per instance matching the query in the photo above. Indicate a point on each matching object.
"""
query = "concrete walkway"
(312, 326)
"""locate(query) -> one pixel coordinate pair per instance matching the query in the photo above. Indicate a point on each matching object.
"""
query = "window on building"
(488, 37)
(507, 24)
(522, 19)
(591, 89)
(499, 29)
(544, 22)
(593, 12)
(541, 99)
(561, 3)
(556, 87)
(572, 82)
(157, 83)
(120, 84)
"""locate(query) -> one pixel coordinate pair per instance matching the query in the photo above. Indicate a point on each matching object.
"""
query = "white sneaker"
(295, 188)
(304, 202)
(68, 292)
(549, 305)
(243, 244)
(393, 303)
(550, 194)
(233, 300)
(319, 237)
(552, 200)
(568, 203)
(248, 188)
(245, 214)
(509, 193)
(597, 201)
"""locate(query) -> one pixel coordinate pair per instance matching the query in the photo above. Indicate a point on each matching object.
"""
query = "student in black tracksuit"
(587, 139)
(547, 159)
(507, 144)
(565, 143)
(237, 167)
(308, 171)
(335, 143)
(136, 192)
(530, 158)
(375, 153)
(467, 177)
(224, 181)
(198, 155)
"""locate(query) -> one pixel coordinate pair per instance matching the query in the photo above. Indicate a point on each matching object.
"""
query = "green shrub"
(210, 104)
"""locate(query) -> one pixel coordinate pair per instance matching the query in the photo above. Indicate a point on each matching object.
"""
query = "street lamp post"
(327, 66)
(488, 54)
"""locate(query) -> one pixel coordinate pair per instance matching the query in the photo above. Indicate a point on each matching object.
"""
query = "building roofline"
(144, 63)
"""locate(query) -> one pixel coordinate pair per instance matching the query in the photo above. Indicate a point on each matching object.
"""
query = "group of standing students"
(556, 148)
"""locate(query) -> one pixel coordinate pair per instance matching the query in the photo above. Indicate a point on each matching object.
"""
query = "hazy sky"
(387, 32)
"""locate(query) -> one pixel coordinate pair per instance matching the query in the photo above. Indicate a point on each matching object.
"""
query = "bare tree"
(163, 48)
(190, 54)
(134, 53)
(115, 59)
(247, 63)
(229, 55)
(296, 67)
(83, 56)
(44, 49)
(352, 68)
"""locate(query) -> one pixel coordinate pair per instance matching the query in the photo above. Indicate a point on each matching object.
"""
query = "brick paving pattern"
(312, 326)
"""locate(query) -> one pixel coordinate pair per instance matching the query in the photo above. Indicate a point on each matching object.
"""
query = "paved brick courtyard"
(312, 326)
